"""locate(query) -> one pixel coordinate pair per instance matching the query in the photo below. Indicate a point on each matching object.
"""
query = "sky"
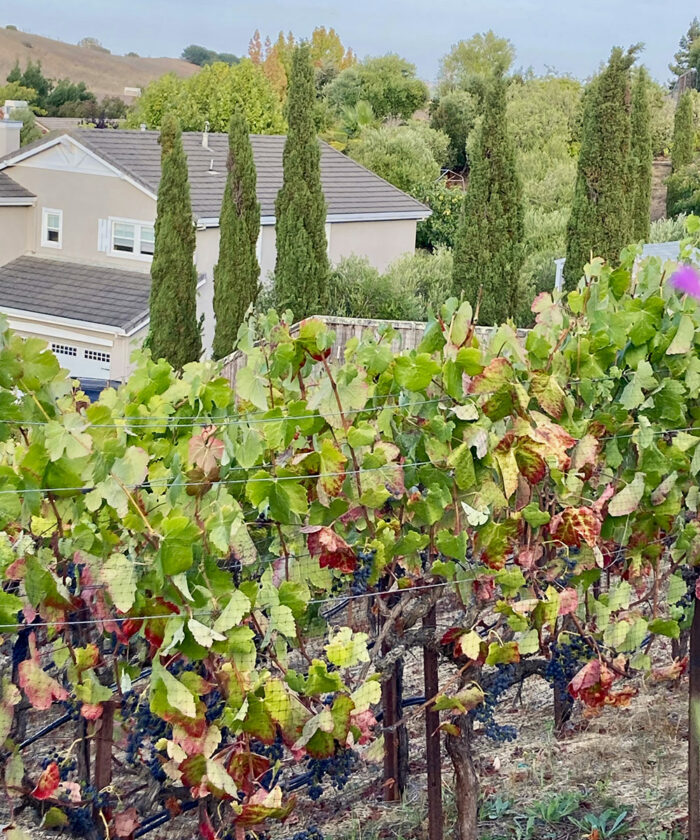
(569, 36)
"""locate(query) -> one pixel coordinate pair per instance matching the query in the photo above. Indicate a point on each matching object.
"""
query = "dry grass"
(103, 73)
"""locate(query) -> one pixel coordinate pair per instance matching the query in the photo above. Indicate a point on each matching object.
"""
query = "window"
(51, 228)
(134, 239)
(97, 356)
(64, 350)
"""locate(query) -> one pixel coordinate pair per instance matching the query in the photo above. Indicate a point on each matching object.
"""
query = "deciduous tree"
(174, 332)
(237, 272)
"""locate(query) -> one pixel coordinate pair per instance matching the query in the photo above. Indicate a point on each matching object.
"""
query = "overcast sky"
(570, 36)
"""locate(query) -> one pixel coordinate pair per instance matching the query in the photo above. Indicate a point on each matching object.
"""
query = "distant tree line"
(202, 56)
(58, 97)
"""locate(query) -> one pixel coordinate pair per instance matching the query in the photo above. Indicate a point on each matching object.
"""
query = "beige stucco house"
(77, 210)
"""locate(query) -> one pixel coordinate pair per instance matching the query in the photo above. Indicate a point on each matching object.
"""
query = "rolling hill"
(103, 73)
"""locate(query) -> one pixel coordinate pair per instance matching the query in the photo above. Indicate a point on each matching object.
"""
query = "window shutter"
(103, 235)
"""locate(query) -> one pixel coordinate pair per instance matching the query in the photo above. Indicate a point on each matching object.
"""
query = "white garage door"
(81, 361)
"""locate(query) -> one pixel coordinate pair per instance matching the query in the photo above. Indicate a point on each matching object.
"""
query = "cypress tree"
(301, 269)
(683, 144)
(174, 332)
(641, 158)
(600, 221)
(237, 272)
(489, 245)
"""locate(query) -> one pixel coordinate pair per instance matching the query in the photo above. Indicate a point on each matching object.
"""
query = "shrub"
(427, 277)
(402, 155)
(358, 290)
(683, 191)
(668, 230)
(441, 227)
(455, 114)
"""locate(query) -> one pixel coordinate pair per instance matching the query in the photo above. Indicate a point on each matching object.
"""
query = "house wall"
(380, 242)
(15, 225)
(80, 338)
(84, 200)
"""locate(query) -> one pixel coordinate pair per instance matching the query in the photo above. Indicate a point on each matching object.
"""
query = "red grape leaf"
(126, 822)
(48, 782)
(40, 688)
(333, 552)
(574, 526)
(592, 683)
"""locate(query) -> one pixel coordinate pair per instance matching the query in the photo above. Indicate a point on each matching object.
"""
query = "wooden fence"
(408, 337)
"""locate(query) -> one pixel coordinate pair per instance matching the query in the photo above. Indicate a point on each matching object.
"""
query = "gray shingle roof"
(58, 123)
(349, 188)
(95, 294)
(11, 189)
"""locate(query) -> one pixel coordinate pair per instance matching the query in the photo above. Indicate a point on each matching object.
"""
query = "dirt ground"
(632, 759)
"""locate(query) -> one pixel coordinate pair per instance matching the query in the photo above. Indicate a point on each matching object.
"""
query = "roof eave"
(418, 215)
(33, 315)
(23, 201)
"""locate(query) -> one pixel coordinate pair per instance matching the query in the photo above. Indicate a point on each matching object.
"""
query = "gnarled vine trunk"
(459, 748)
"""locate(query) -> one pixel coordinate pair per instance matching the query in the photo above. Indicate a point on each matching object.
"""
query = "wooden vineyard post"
(432, 736)
(394, 780)
(694, 726)
(103, 746)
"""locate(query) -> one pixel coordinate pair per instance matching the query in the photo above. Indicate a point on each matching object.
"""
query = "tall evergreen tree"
(683, 144)
(174, 332)
(301, 270)
(600, 221)
(641, 158)
(237, 272)
(488, 251)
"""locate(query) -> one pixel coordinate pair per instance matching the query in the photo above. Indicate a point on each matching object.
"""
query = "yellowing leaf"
(233, 612)
(683, 339)
(628, 499)
(119, 576)
(204, 635)
(346, 649)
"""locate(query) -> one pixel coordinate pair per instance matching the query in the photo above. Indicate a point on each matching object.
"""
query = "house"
(664, 250)
(77, 213)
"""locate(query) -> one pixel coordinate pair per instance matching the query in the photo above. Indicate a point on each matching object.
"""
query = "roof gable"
(351, 191)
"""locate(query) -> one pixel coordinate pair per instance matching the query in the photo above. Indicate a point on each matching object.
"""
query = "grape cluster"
(80, 821)
(690, 575)
(146, 726)
(91, 797)
(484, 713)
(337, 767)
(363, 572)
(274, 751)
(565, 662)
(310, 833)
(569, 560)
(65, 766)
(215, 707)
(155, 768)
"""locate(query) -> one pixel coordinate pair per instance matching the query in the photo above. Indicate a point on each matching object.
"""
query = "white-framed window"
(51, 228)
(131, 239)
(97, 356)
(64, 350)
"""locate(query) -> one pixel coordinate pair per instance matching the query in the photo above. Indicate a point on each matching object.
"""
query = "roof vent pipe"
(143, 126)
(205, 135)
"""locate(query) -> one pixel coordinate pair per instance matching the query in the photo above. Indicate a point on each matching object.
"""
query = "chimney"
(205, 135)
(9, 128)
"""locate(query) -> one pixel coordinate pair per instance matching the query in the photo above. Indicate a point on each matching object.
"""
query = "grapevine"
(230, 571)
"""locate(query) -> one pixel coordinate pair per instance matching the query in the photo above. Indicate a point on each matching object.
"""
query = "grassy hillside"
(104, 74)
